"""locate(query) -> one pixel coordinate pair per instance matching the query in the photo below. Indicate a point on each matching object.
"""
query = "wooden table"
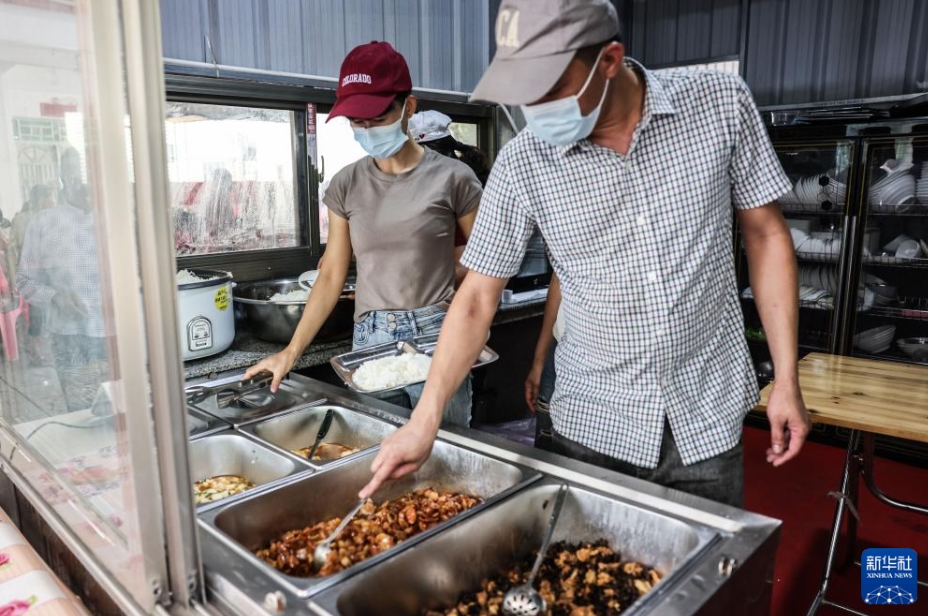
(869, 397)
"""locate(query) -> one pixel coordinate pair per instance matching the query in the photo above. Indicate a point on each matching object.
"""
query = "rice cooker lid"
(216, 278)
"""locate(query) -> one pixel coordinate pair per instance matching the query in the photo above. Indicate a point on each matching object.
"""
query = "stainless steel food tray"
(435, 574)
(298, 429)
(252, 521)
(201, 424)
(294, 392)
(232, 453)
(346, 364)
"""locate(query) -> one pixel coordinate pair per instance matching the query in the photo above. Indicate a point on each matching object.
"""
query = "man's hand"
(533, 384)
(789, 423)
(401, 453)
(279, 365)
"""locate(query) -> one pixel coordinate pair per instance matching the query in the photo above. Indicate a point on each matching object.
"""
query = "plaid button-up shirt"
(642, 245)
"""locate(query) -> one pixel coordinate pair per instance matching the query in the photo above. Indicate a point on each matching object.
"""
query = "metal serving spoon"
(324, 548)
(323, 430)
(524, 600)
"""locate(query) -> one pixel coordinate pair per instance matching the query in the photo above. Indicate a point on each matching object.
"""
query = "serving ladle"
(323, 549)
(524, 600)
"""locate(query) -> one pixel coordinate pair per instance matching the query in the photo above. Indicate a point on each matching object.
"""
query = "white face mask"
(561, 122)
(382, 141)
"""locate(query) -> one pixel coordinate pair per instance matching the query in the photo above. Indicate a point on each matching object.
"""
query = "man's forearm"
(463, 335)
(774, 280)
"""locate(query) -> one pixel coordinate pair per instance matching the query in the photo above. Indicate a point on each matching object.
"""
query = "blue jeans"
(384, 326)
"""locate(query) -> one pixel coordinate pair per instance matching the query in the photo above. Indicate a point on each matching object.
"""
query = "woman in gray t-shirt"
(396, 210)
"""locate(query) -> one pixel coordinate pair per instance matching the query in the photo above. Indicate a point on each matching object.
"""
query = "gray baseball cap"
(535, 41)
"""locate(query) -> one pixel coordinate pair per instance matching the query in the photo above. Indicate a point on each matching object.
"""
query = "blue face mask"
(382, 141)
(561, 122)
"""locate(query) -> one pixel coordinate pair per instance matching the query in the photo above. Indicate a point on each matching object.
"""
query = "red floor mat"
(798, 494)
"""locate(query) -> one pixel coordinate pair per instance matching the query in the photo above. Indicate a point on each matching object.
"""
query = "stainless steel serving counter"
(714, 559)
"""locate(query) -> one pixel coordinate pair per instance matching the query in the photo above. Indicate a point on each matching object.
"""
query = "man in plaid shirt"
(632, 178)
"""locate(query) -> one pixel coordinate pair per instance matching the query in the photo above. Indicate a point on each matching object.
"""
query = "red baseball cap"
(371, 77)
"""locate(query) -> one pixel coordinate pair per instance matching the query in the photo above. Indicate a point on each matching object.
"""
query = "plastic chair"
(8, 319)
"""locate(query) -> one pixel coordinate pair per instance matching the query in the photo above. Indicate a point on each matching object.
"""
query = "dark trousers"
(543, 429)
(720, 478)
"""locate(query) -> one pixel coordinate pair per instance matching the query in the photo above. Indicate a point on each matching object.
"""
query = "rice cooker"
(205, 315)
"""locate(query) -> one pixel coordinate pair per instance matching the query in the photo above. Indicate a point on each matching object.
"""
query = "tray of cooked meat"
(276, 530)
(607, 558)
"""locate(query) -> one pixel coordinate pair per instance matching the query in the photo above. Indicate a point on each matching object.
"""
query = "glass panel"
(892, 317)
(816, 211)
(464, 132)
(69, 282)
(232, 178)
(337, 150)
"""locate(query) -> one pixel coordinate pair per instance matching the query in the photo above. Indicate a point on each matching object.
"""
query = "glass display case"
(891, 316)
(817, 212)
(87, 308)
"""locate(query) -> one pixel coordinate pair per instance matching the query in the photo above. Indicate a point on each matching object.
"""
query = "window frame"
(249, 265)
(288, 262)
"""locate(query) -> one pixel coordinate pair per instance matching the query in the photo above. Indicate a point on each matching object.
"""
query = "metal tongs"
(524, 600)
(227, 394)
(324, 548)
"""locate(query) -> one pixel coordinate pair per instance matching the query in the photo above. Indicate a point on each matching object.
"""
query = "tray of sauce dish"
(349, 433)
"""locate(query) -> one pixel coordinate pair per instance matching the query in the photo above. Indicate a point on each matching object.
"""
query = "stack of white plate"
(811, 191)
(876, 340)
(819, 277)
(893, 193)
(921, 187)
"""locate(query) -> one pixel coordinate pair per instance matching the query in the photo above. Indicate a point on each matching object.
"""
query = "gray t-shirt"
(402, 228)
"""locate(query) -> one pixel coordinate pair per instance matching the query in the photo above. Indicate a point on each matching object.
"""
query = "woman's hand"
(279, 365)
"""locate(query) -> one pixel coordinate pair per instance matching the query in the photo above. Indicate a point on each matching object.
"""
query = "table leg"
(853, 493)
(870, 481)
(852, 446)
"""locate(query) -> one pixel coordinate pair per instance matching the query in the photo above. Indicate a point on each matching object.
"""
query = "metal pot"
(276, 321)
(205, 316)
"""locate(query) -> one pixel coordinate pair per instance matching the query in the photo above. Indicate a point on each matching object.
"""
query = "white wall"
(38, 64)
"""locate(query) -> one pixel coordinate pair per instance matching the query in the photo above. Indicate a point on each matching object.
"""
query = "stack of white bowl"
(921, 187)
(876, 340)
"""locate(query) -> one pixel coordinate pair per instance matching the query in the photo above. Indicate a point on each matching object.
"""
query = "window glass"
(465, 132)
(231, 171)
(337, 150)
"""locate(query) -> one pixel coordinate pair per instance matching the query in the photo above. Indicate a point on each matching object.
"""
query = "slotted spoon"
(524, 600)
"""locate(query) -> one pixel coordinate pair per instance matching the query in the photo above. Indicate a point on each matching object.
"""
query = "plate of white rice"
(391, 372)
